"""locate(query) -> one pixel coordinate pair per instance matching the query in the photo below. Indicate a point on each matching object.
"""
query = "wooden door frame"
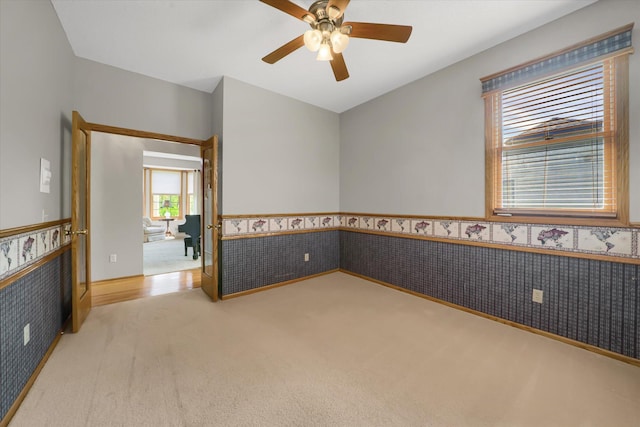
(114, 130)
(210, 284)
(80, 303)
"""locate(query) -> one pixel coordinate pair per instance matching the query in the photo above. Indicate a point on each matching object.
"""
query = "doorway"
(171, 210)
(115, 202)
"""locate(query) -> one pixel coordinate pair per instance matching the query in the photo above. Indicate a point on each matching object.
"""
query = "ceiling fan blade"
(341, 5)
(386, 32)
(339, 67)
(291, 8)
(284, 50)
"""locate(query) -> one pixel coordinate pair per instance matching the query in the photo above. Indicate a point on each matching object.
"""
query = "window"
(165, 193)
(171, 191)
(191, 185)
(556, 134)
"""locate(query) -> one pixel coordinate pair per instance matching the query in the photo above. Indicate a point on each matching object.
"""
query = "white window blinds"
(165, 182)
(556, 143)
(556, 133)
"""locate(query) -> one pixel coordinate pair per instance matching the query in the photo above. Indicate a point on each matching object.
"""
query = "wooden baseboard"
(276, 285)
(589, 347)
(14, 408)
(107, 282)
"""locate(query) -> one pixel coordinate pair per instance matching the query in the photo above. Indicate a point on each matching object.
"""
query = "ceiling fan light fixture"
(330, 34)
(324, 54)
(333, 12)
(339, 41)
(312, 40)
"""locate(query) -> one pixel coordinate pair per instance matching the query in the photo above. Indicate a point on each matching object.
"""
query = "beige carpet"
(330, 351)
(166, 256)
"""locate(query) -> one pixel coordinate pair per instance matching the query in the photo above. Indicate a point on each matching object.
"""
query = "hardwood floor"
(128, 288)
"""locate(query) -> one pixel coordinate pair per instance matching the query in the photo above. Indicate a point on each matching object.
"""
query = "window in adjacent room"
(556, 134)
(171, 191)
(191, 195)
(166, 188)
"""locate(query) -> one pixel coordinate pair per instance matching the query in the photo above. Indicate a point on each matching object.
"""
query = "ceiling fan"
(329, 35)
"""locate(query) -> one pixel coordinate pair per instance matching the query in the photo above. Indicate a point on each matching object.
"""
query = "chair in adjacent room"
(151, 231)
(191, 227)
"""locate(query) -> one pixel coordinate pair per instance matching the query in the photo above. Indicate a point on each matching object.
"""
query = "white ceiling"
(196, 43)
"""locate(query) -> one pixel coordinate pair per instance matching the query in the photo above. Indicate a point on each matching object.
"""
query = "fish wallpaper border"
(612, 242)
(19, 251)
(268, 225)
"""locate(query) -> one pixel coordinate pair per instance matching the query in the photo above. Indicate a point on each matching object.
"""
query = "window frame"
(190, 203)
(151, 194)
(493, 157)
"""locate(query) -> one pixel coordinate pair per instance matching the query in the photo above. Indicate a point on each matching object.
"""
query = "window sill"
(560, 220)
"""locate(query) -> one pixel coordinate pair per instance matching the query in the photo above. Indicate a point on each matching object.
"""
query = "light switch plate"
(45, 176)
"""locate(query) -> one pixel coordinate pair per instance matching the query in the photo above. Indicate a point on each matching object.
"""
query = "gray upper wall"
(36, 70)
(280, 154)
(115, 97)
(420, 149)
(217, 99)
(218, 129)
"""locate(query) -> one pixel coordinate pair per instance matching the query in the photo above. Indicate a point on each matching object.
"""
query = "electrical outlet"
(27, 333)
(306, 257)
(113, 258)
(537, 296)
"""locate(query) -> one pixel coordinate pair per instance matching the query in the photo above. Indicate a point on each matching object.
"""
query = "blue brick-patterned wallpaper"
(66, 286)
(42, 298)
(595, 302)
(261, 261)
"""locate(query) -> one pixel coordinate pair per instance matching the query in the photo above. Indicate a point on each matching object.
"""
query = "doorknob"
(209, 227)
